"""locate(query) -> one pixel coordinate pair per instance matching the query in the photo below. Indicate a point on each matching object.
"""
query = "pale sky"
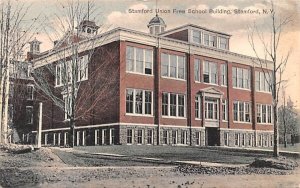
(114, 13)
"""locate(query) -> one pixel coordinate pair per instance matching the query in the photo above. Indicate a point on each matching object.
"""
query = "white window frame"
(225, 110)
(259, 110)
(83, 66)
(244, 112)
(140, 136)
(176, 137)
(263, 82)
(226, 43)
(199, 34)
(135, 60)
(46, 138)
(198, 101)
(223, 75)
(112, 136)
(169, 105)
(183, 137)
(197, 62)
(169, 65)
(243, 139)
(104, 137)
(143, 101)
(226, 139)
(210, 72)
(65, 138)
(237, 139)
(132, 136)
(167, 138)
(150, 138)
(97, 137)
(215, 109)
(198, 138)
(244, 79)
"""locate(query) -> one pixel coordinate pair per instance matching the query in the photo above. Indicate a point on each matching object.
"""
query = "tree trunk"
(5, 109)
(276, 151)
(72, 133)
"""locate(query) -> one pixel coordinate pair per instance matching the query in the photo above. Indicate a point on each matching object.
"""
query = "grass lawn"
(295, 148)
(175, 153)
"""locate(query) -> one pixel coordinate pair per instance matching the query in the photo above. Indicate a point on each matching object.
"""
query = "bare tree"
(61, 80)
(272, 60)
(288, 119)
(14, 35)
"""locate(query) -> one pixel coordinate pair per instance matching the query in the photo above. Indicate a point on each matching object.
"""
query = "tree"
(288, 119)
(271, 60)
(14, 35)
(61, 80)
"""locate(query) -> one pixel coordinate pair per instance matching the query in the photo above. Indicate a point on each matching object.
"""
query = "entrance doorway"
(213, 136)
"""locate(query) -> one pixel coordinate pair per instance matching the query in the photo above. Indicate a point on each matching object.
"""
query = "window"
(196, 37)
(174, 137)
(226, 139)
(250, 140)
(183, 137)
(165, 137)
(63, 70)
(173, 66)
(197, 70)
(173, 105)
(206, 39)
(240, 78)
(244, 139)
(264, 113)
(211, 109)
(210, 72)
(97, 137)
(198, 107)
(263, 81)
(198, 138)
(112, 136)
(58, 76)
(29, 114)
(260, 140)
(149, 136)
(68, 106)
(237, 139)
(83, 68)
(241, 111)
(224, 110)
(140, 136)
(271, 140)
(129, 136)
(30, 89)
(139, 60)
(223, 75)
(223, 43)
(213, 41)
(139, 102)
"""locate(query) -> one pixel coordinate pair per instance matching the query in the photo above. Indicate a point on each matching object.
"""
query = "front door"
(212, 136)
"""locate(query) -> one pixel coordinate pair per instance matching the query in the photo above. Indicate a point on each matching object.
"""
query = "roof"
(88, 23)
(156, 20)
(192, 25)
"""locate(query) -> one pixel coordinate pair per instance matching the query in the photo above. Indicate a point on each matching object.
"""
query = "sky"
(115, 13)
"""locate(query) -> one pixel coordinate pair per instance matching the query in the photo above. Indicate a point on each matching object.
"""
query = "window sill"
(242, 122)
(265, 123)
(173, 117)
(244, 89)
(266, 92)
(198, 119)
(171, 78)
(137, 73)
(213, 84)
(138, 115)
